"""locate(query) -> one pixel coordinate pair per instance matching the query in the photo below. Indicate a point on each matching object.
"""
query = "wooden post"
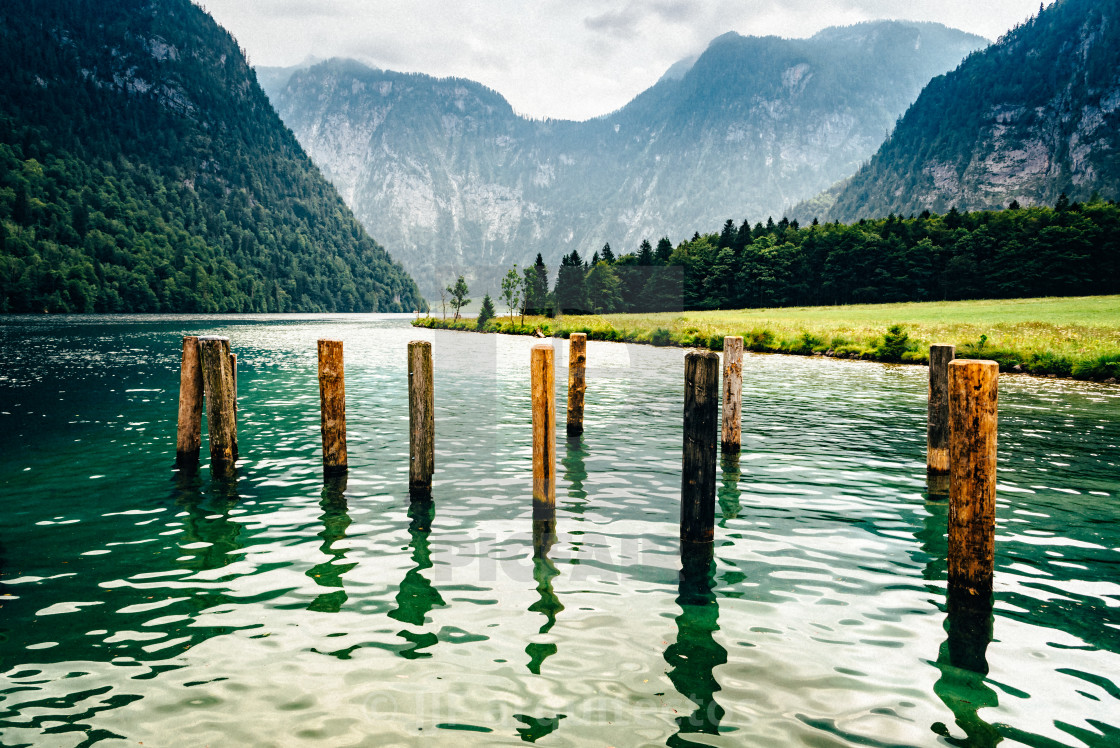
(937, 429)
(698, 471)
(189, 438)
(421, 418)
(233, 368)
(731, 440)
(544, 432)
(577, 381)
(973, 400)
(217, 379)
(332, 405)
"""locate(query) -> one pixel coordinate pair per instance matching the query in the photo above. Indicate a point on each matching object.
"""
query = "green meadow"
(1066, 337)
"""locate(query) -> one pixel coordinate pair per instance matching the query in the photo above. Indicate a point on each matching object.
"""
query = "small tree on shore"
(443, 302)
(458, 296)
(486, 313)
(511, 290)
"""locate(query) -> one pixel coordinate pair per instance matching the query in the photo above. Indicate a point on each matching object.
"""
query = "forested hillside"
(143, 169)
(1031, 117)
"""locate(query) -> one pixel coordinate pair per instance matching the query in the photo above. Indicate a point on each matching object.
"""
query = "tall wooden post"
(973, 404)
(731, 439)
(937, 430)
(544, 432)
(217, 380)
(698, 470)
(577, 381)
(332, 404)
(233, 369)
(421, 417)
(189, 437)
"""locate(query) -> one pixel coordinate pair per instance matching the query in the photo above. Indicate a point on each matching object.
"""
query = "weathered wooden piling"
(973, 404)
(233, 368)
(421, 417)
(577, 381)
(188, 440)
(544, 432)
(698, 470)
(937, 430)
(332, 405)
(731, 438)
(217, 380)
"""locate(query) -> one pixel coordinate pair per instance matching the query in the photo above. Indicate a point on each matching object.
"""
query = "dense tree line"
(1071, 249)
(142, 169)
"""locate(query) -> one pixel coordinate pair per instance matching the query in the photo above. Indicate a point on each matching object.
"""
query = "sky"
(566, 59)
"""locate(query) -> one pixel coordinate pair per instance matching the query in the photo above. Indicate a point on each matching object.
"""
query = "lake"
(141, 604)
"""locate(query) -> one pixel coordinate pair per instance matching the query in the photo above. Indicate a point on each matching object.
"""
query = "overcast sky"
(571, 59)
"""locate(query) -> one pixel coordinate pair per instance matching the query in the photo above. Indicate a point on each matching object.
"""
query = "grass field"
(1067, 337)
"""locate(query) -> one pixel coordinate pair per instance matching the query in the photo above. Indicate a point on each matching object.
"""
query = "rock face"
(1035, 115)
(454, 181)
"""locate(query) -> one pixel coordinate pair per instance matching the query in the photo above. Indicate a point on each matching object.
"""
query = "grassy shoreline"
(1069, 337)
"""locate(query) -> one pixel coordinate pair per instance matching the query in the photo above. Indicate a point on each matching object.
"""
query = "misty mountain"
(446, 173)
(143, 169)
(1034, 115)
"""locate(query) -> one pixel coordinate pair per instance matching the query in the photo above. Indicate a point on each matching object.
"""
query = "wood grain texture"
(332, 406)
(217, 381)
(544, 431)
(188, 440)
(973, 404)
(421, 417)
(731, 434)
(937, 430)
(698, 468)
(577, 381)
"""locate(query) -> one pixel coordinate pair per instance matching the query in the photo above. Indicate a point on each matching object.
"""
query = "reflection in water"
(963, 663)
(696, 653)
(335, 521)
(416, 596)
(937, 485)
(962, 658)
(544, 536)
(537, 727)
(575, 473)
(728, 494)
(209, 535)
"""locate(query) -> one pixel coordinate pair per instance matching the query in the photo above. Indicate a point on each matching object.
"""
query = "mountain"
(454, 180)
(143, 169)
(1035, 115)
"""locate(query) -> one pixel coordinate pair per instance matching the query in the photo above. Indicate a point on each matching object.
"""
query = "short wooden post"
(332, 405)
(217, 379)
(973, 402)
(189, 437)
(698, 470)
(544, 432)
(421, 417)
(731, 439)
(577, 381)
(937, 430)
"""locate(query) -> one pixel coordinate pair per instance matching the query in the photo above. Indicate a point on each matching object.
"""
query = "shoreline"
(915, 351)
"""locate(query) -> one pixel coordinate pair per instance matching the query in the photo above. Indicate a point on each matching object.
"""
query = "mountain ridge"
(460, 183)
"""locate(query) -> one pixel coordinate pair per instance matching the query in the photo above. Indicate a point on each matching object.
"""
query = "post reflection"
(695, 654)
(335, 521)
(962, 658)
(575, 473)
(210, 536)
(416, 596)
(729, 493)
(963, 664)
(937, 486)
(548, 604)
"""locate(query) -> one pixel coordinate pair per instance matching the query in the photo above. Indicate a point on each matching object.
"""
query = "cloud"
(558, 58)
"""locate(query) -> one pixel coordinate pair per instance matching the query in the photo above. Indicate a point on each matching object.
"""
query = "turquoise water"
(144, 605)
